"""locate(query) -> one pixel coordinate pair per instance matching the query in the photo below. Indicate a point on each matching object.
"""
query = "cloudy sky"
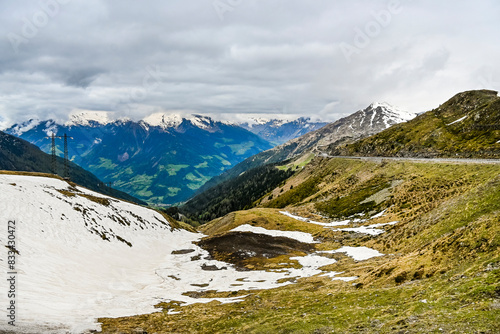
(235, 58)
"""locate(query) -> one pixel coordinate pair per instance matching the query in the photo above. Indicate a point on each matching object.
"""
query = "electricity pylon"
(54, 158)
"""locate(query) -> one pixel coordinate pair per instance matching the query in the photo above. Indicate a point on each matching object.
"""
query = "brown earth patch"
(238, 247)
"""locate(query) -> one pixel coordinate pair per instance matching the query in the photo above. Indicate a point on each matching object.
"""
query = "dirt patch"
(236, 247)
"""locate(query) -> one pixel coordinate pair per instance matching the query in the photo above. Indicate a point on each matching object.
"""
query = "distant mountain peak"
(23, 127)
(396, 114)
(166, 121)
(163, 120)
(89, 118)
(280, 130)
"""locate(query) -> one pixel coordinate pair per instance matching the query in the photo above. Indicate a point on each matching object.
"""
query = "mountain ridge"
(279, 131)
(465, 126)
(159, 164)
(363, 123)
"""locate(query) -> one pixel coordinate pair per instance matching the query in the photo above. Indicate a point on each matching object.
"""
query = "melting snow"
(334, 277)
(75, 264)
(357, 253)
(307, 220)
(370, 229)
(299, 236)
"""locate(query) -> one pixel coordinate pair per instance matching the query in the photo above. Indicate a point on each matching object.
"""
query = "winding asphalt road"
(429, 160)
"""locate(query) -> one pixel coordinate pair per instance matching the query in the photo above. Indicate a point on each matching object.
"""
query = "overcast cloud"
(231, 58)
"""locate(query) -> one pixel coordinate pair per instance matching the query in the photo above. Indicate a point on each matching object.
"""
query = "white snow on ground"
(307, 220)
(299, 236)
(286, 213)
(68, 275)
(334, 277)
(458, 120)
(370, 229)
(357, 253)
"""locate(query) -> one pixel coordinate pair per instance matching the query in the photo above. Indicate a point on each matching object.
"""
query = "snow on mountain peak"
(19, 129)
(86, 118)
(200, 121)
(396, 113)
(174, 120)
(163, 120)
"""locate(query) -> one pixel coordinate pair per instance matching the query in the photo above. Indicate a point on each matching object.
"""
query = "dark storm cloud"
(322, 59)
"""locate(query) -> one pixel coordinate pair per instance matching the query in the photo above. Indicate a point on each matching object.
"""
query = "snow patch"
(334, 277)
(357, 253)
(299, 236)
(370, 229)
(84, 255)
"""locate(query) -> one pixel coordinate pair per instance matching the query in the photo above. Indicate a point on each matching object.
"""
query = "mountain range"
(465, 126)
(161, 159)
(277, 131)
(363, 123)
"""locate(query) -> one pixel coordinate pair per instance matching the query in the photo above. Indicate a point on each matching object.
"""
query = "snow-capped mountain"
(162, 159)
(363, 123)
(279, 131)
(76, 255)
(373, 119)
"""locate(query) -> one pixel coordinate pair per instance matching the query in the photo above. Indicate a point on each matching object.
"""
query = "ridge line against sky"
(226, 59)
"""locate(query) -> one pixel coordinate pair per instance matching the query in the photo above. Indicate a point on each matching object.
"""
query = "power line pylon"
(66, 158)
(53, 162)
(54, 157)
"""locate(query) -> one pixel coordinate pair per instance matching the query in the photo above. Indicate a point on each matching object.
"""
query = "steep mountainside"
(19, 155)
(161, 159)
(375, 118)
(468, 125)
(280, 131)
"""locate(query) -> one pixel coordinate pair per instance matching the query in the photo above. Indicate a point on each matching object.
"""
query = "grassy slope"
(432, 134)
(443, 271)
